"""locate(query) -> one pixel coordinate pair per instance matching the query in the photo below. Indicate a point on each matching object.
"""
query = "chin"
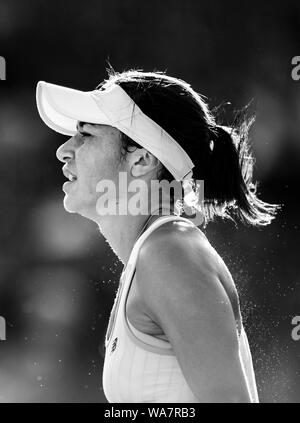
(69, 206)
(74, 205)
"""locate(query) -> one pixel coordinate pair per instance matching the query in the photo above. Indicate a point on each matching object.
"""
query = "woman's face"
(93, 154)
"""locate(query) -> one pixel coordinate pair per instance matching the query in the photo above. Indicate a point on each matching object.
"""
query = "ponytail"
(228, 187)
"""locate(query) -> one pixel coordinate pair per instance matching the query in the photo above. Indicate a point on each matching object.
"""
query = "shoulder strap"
(158, 222)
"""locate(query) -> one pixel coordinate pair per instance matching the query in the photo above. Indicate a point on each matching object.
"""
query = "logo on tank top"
(114, 345)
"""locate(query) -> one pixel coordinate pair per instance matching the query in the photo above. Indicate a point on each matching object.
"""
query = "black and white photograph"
(149, 180)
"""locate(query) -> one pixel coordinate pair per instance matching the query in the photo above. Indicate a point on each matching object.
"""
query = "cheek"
(94, 168)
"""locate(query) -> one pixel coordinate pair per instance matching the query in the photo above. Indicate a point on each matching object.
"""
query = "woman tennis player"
(175, 332)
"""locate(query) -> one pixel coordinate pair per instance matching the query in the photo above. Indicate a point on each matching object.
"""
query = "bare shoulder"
(177, 265)
(178, 246)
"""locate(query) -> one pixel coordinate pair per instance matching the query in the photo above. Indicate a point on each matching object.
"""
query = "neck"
(121, 232)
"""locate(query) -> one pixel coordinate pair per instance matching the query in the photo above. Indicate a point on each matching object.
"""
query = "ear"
(141, 162)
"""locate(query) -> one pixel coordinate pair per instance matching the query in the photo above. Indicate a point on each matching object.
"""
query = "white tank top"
(141, 368)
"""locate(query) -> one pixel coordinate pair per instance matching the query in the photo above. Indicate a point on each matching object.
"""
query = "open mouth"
(69, 175)
(72, 178)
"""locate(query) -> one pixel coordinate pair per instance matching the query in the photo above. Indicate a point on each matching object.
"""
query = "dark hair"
(221, 155)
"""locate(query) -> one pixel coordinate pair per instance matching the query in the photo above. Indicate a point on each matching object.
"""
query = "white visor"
(61, 108)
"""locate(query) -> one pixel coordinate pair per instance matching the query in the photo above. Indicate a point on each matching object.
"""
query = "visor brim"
(61, 108)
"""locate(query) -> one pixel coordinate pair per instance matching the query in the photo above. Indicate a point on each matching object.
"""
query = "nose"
(65, 152)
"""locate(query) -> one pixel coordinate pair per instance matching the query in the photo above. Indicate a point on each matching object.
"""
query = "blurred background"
(58, 277)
